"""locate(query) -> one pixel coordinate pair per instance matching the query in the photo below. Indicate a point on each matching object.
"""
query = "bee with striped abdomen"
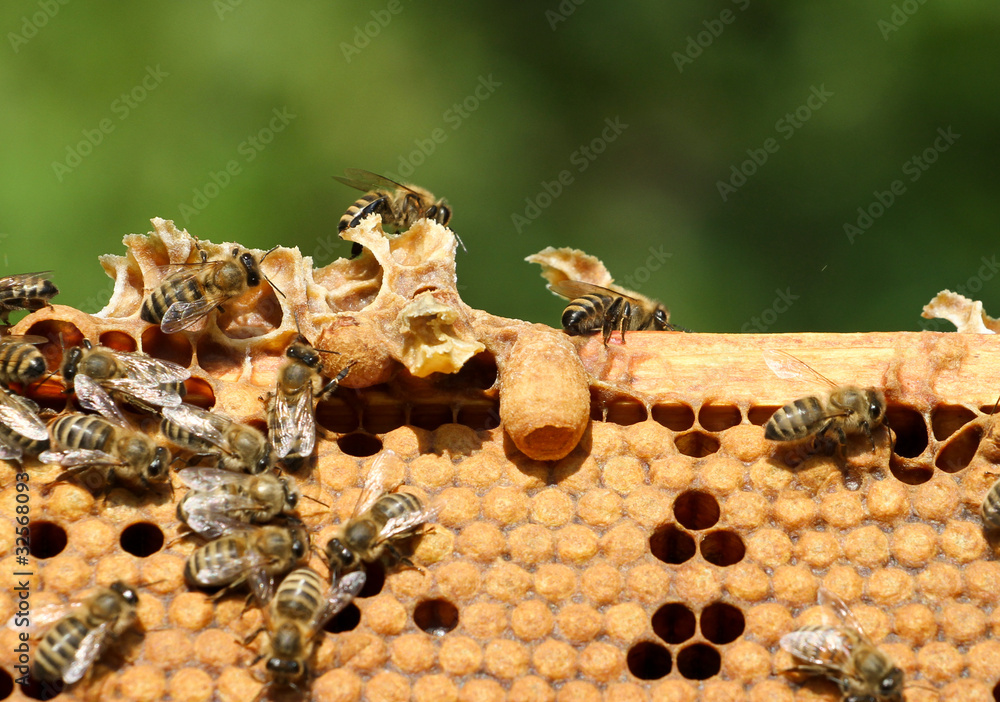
(593, 308)
(76, 640)
(20, 361)
(303, 603)
(380, 517)
(845, 655)
(21, 429)
(291, 417)
(400, 205)
(218, 497)
(28, 291)
(252, 554)
(238, 447)
(190, 294)
(843, 410)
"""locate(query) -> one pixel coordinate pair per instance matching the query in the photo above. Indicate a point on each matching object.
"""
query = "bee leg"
(254, 635)
(335, 382)
(611, 318)
(376, 206)
(400, 558)
(626, 319)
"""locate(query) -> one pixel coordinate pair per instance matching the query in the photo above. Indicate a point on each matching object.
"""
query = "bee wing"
(151, 370)
(573, 289)
(787, 367)
(338, 596)
(830, 599)
(366, 180)
(261, 582)
(24, 339)
(403, 523)
(823, 646)
(198, 422)
(17, 414)
(295, 424)
(208, 479)
(154, 394)
(79, 457)
(9, 453)
(42, 618)
(87, 653)
(12, 282)
(208, 513)
(374, 486)
(95, 398)
(181, 315)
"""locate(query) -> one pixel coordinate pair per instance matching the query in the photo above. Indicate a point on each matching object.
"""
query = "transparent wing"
(261, 582)
(366, 181)
(79, 457)
(294, 424)
(93, 397)
(151, 370)
(787, 367)
(13, 282)
(89, 651)
(210, 514)
(17, 414)
(406, 522)
(199, 422)
(338, 596)
(42, 618)
(181, 315)
(9, 453)
(208, 479)
(830, 599)
(374, 486)
(24, 339)
(823, 646)
(573, 289)
(153, 394)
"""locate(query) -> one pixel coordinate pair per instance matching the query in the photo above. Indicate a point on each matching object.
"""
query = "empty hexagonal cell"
(374, 579)
(719, 417)
(430, 416)
(723, 548)
(119, 341)
(910, 430)
(696, 510)
(46, 539)
(759, 414)
(359, 444)
(346, 619)
(947, 419)
(382, 413)
(219, 358)
(677, 416)
(169, 347)
(697, 444)
(996, 692)
(671, 545)
(648, 660)
(674, 623)
(699, 662)
(436, 617)
(625, 412)
(61, 335)
(722, 623)
(479, 416)
(199, 393)
(336, 415)
(142, 539)
(39, 690)
(909, 471)
(958, 450)
(6, 684)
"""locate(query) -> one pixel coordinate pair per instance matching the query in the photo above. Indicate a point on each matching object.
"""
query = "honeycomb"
(613, 524)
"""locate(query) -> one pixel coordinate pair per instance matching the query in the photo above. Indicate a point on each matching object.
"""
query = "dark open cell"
(723, 548)
(346, 619)
(46, 539)
(142, 539)
(674, 623)
(678, 417)
(625, 412)
(39, 690)
(957, 452)
(722, 623)
(436, 617)
(218, 359)
(697, 444)
(699, 662)
(430, 416)
(719, 417)
(119, 341)
(6, 684)
(479, 416)
(169, 347)
(760, 414)
(480, 371)
(61, 335)
(648, 660)
(696, 510)
(360, 444)
(910, 431)
(996, 692)
(374, 579)
(671, 545)
(199, 393)
(336, 415)
(382, 413)
(947, 419)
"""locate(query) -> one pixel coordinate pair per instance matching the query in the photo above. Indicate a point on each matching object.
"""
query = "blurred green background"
(113, 114)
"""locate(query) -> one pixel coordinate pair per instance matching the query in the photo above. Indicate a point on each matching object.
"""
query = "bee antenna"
(315, 500)
(993, 411)
(269, 281)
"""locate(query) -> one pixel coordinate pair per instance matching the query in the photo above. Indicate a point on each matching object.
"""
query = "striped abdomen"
(394, 505)
(360, 204)
(82, 431)
(796, 420)
(20, 363)
(60, 646)
(185, 439)
(159, 301)
(585, 314)
(30, 296)
(991, 506)
(300, 595)
(30, 447)
(216, 562)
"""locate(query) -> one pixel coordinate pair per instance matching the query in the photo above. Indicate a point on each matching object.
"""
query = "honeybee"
(991, 507)
(400, 205)
(595, 308)
(28, 291)
(20, 361)
(21, 429)
(845, 409)
(845, 655)
(218, 497)
(302, 604)
(379, 518)
(291, 419)
(252, 554)
(188, 295)
(135, 377)
(81, 442)
(239, 447)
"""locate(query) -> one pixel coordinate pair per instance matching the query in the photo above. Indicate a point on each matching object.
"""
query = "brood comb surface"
(661, 557)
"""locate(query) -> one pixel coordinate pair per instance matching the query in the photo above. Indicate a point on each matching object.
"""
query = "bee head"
(71, 363)
(439, 212)
(303, 352)
(876, 406)
(660, 322)
(284, 669)
(300, 546)
(339, 556)
(891, 686)
(157, 469)
(250, 264)
(127, 593)
(291, 493)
